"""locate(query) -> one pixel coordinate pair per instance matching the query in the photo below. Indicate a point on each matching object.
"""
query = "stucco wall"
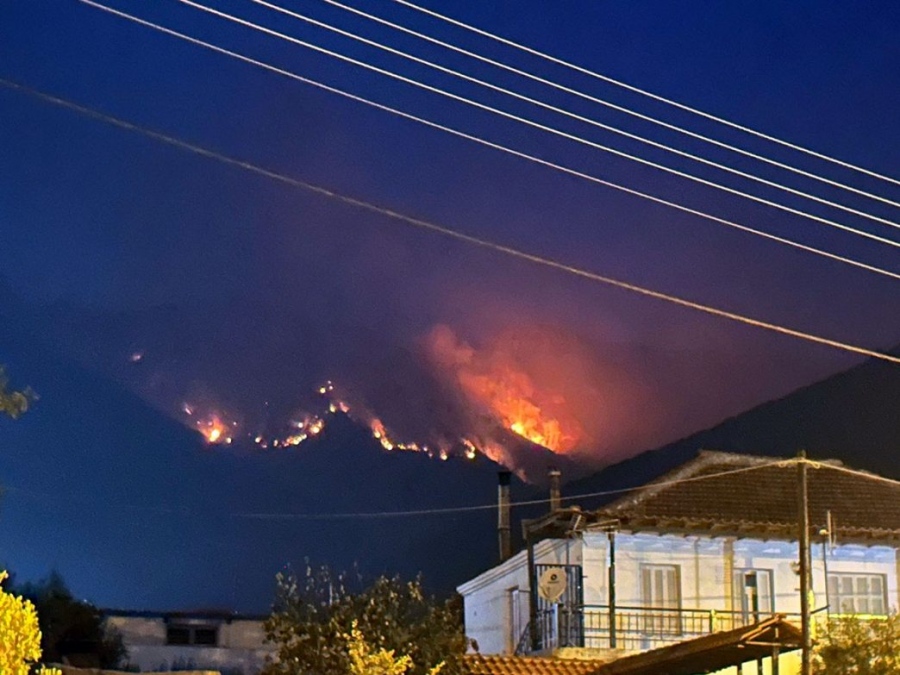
(227, 661)
(241, 645)
(488, 599)
(705, 568)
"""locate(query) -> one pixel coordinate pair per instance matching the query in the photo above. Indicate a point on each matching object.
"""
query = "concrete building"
(229, 643)
(707, 548)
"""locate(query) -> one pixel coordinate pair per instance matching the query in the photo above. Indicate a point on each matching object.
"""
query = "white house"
(709, 547)
(229, 643)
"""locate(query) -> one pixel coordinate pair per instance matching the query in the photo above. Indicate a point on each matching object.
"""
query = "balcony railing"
(636, 628)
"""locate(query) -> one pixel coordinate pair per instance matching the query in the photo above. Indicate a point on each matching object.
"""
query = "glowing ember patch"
(214, 429)
(305, 426)
(471, 450)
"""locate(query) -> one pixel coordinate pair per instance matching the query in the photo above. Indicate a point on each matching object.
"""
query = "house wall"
(489, 599)
(705, 571)
(241, 648)
(705, 565)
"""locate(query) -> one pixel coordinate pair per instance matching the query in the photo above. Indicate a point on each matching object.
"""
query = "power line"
(493, 506)
(456, 510)
(644, 92)
(446, 231)
(854, 472)
(561, 111)
(452, 510)
(496, 146)
(608, 104)
(538, 125)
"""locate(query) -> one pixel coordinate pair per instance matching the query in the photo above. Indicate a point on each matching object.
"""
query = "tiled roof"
(863, 507)
(477, 664)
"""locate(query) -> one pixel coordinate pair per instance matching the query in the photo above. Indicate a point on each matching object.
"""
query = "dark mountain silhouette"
(136, 511)
(853, 416)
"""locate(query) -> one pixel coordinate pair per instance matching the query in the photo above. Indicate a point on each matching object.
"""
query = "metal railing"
(636, 628)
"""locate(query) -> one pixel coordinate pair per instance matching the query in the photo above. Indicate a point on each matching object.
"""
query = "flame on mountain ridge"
(498, 385)
(306, 426)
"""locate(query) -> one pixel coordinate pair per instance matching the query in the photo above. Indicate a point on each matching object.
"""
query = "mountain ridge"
(852, 416)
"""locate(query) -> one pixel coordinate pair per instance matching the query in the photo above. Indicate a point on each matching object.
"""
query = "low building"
(708, 548)
(162, 641)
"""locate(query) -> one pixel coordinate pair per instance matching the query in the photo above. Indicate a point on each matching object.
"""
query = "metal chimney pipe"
(503, 519)
(555, 495)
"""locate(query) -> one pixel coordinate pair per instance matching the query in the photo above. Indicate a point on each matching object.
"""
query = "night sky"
(245, 293)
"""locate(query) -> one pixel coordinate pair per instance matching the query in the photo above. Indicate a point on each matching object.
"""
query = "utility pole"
(803, 508)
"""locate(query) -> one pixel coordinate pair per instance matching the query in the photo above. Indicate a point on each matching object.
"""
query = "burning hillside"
(521, 399)
(495, 385)
(218, 428)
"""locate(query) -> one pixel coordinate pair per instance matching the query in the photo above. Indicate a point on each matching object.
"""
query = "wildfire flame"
(499, 386)
(509, 396)
(215, 430)
(307, 426)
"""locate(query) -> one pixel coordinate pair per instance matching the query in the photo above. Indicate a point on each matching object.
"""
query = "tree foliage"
(20, 635)
(364, 660)
(72, 630)
(316, 614)
(13, 403)
(853, 645)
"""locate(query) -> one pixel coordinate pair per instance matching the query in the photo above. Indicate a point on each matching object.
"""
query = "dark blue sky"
(111, 224)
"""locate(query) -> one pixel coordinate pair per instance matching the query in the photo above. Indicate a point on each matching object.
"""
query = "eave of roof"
(208, 614)
(477, 664)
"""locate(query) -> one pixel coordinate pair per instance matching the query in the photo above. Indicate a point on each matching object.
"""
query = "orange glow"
(471, 450)
(305, 426)
(380, 434)
(214, 429)
(509, 395)
(510, 388)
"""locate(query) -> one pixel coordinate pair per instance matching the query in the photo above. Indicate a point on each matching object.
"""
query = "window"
(178, 635)
(189, 634)
(205, 636)
(661, 593)
(857, 593)
(753, 596)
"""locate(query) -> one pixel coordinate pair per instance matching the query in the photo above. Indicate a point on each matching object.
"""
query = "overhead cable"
(594, 99)
(493, 506)
(648, 94)
(446, 231)
(497, 146)
(567, 113)
(537, 125)
(854, 472)
(451, 510)
(458, 510)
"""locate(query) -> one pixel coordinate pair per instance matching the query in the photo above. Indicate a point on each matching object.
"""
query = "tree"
(13, 403)
(72, 630)
(315, 616)
(859, 646)
(20, 635)
(364, 660)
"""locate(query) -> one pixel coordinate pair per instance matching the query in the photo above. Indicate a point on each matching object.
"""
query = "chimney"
(503, 528)
(555, 499)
